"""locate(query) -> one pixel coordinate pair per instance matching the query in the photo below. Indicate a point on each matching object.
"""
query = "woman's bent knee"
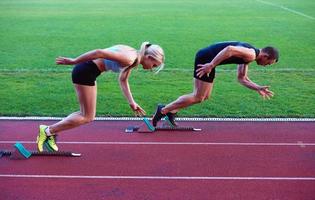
(199, 99)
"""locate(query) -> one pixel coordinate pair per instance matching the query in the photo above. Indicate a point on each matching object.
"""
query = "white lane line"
(180, 69)
(287, 9)
(159, 177)
(302, 144)
(198, 119)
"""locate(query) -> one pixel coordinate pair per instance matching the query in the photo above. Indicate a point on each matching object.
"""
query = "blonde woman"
(88, 66)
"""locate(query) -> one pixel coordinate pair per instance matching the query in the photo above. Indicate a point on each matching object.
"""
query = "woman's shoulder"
(122, 47)
(128, 53)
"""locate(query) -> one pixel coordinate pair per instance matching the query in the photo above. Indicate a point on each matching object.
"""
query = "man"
(206, 60)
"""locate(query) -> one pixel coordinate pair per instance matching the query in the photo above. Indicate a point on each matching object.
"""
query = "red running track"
(226, 160)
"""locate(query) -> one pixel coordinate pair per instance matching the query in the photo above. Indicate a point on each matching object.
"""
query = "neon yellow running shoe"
(51, 142)
(41, 138)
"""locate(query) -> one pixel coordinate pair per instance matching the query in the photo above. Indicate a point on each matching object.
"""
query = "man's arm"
(246, 54)
(244, 80)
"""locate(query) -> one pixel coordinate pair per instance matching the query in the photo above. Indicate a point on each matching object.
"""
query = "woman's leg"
(87, 99)
(87, 96)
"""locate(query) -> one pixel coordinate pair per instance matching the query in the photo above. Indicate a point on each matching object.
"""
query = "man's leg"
(202, 90)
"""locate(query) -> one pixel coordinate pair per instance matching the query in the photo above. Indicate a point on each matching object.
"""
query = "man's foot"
(51, 142)
(158, 115)
(171, 119)
(41, 138)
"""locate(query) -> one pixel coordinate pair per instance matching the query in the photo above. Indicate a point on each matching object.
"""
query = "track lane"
(181, 160)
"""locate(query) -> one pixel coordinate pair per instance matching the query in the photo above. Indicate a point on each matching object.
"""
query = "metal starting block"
(148, 128)
(131, 129)
(20, 152)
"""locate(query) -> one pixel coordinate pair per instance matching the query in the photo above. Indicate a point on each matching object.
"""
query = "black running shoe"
(158, 115)
(171, 118)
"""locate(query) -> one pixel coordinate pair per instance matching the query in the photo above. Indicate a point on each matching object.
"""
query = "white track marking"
(301, 144)
(160, 177)
(187, 69)
(198, 119)
(287, 9)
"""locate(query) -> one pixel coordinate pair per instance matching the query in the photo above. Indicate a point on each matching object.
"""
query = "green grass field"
(33, 33)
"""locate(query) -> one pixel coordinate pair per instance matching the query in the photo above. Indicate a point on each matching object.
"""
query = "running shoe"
(41, 138)
(171, 119)
(158, 115)
(51, 142)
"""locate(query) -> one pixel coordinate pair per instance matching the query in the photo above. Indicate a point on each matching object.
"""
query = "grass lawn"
(33, 33)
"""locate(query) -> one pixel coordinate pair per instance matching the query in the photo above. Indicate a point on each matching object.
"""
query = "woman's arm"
(124, 85)
(95, 54)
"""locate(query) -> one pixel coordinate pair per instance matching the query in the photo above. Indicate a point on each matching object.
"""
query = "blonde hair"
(155, 51)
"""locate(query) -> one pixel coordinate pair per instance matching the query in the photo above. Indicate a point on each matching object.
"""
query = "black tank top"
(209, 53)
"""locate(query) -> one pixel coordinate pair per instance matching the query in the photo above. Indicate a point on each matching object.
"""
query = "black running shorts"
(205, 77)
(85, 73)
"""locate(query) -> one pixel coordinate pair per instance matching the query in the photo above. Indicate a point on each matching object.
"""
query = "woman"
(88, 66)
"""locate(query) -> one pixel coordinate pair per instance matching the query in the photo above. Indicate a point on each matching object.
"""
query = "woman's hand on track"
(138, 111)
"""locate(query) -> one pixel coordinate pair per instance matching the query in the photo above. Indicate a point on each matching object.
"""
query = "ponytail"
(155, 51)
(143, 48)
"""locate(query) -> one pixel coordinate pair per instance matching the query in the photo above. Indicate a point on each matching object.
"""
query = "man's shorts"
(205, 77)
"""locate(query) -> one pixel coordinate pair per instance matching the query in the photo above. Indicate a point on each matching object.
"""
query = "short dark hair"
(272, 52)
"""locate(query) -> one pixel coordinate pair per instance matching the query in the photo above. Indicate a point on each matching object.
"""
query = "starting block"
(149, 128)
(20, 152)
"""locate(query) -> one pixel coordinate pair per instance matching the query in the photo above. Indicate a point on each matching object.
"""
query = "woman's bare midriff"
(100, 64)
